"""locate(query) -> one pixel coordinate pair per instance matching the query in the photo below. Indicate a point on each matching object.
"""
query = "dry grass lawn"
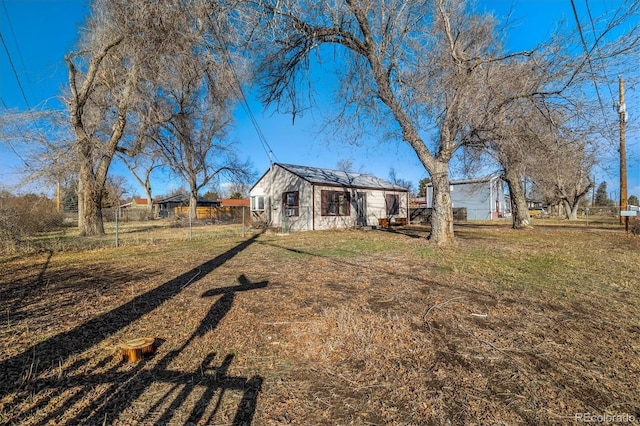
(342, 327)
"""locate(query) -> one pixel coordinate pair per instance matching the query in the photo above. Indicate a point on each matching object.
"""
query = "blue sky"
(38, 33)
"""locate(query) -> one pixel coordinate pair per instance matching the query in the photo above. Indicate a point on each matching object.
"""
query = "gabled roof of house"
(139, 200)
(340, 178)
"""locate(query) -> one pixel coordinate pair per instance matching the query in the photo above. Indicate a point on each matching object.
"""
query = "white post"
(117, 210)
(242, 221)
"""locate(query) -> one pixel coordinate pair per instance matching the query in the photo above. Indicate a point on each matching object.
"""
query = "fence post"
(242, 221)
(117, 209)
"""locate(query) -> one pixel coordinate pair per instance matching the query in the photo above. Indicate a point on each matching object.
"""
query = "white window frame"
(256, 200)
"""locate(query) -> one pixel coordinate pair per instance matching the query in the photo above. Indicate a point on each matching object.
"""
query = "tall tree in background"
(402, 66)
(563, 173)
(195, 117)
(602, 198)
(422, 187)
(125, 46)
(141, 166)
(44, 144)
(394, 179)
(542, 107)
(193, 107)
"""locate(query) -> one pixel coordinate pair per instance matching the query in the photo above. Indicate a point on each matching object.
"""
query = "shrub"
(26, 215)
(634, 226)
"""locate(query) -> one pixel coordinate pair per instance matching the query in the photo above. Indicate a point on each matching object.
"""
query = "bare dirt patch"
(350, 327)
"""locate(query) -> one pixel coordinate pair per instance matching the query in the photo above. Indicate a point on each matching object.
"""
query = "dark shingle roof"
(184, 199)
(330, 177)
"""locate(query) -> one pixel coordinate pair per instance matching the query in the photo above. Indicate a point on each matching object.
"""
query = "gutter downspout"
(408, 211)
(491, 199)
(313, 207)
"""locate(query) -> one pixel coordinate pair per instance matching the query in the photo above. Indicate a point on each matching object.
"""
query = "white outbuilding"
(483, 198)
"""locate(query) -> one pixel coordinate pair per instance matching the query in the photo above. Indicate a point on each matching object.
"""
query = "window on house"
(257, 203)
(335, 203)
(393, 204)
(290, 203)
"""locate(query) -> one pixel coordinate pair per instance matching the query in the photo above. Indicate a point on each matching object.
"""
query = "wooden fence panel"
(229, 214)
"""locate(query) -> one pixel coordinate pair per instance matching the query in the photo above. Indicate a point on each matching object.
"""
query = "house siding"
(272, 185)
(376, 207)
(332, 222)
(278, 180)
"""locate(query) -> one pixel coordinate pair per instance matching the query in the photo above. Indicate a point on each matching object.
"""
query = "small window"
(257, 203)
(393, 204)
(290, 203)
(335, 203)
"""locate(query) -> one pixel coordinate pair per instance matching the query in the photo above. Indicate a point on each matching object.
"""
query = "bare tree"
(237, 190)
(543, 110)
(394, 179)
(114, 190)
(407, 64)
(345, 165)
(43, 142)
(508, 139)
(193, 105)
(562, 173)
(141, 166)
(124, 47)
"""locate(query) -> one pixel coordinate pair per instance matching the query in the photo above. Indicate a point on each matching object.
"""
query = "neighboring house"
(483, 198)
(135, 203)
(179, 205)
(136, 209)
(300, 198)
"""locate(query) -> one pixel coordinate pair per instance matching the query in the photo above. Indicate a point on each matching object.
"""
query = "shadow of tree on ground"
(119, 386)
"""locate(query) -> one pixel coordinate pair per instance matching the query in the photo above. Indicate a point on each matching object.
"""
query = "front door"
(361, 207)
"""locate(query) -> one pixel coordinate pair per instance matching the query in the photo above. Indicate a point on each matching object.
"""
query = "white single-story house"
(484, 198)
(300, 198)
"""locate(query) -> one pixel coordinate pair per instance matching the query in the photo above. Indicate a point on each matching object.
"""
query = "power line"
(244, 102)
(15, 73)
(247, 108)
(588, 55)
(15, 41)
(593, 29)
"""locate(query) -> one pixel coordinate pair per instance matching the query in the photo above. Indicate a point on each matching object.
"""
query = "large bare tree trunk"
(193, 204)
(519, 209)
(126, 43)
(146, 184)
(92, 223)
(80, 195)
(90, 187)
(570, 210)
(91, 183)
(418, 61)
(442, 215)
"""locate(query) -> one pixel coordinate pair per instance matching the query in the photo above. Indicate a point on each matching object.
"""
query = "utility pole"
(622, 112)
